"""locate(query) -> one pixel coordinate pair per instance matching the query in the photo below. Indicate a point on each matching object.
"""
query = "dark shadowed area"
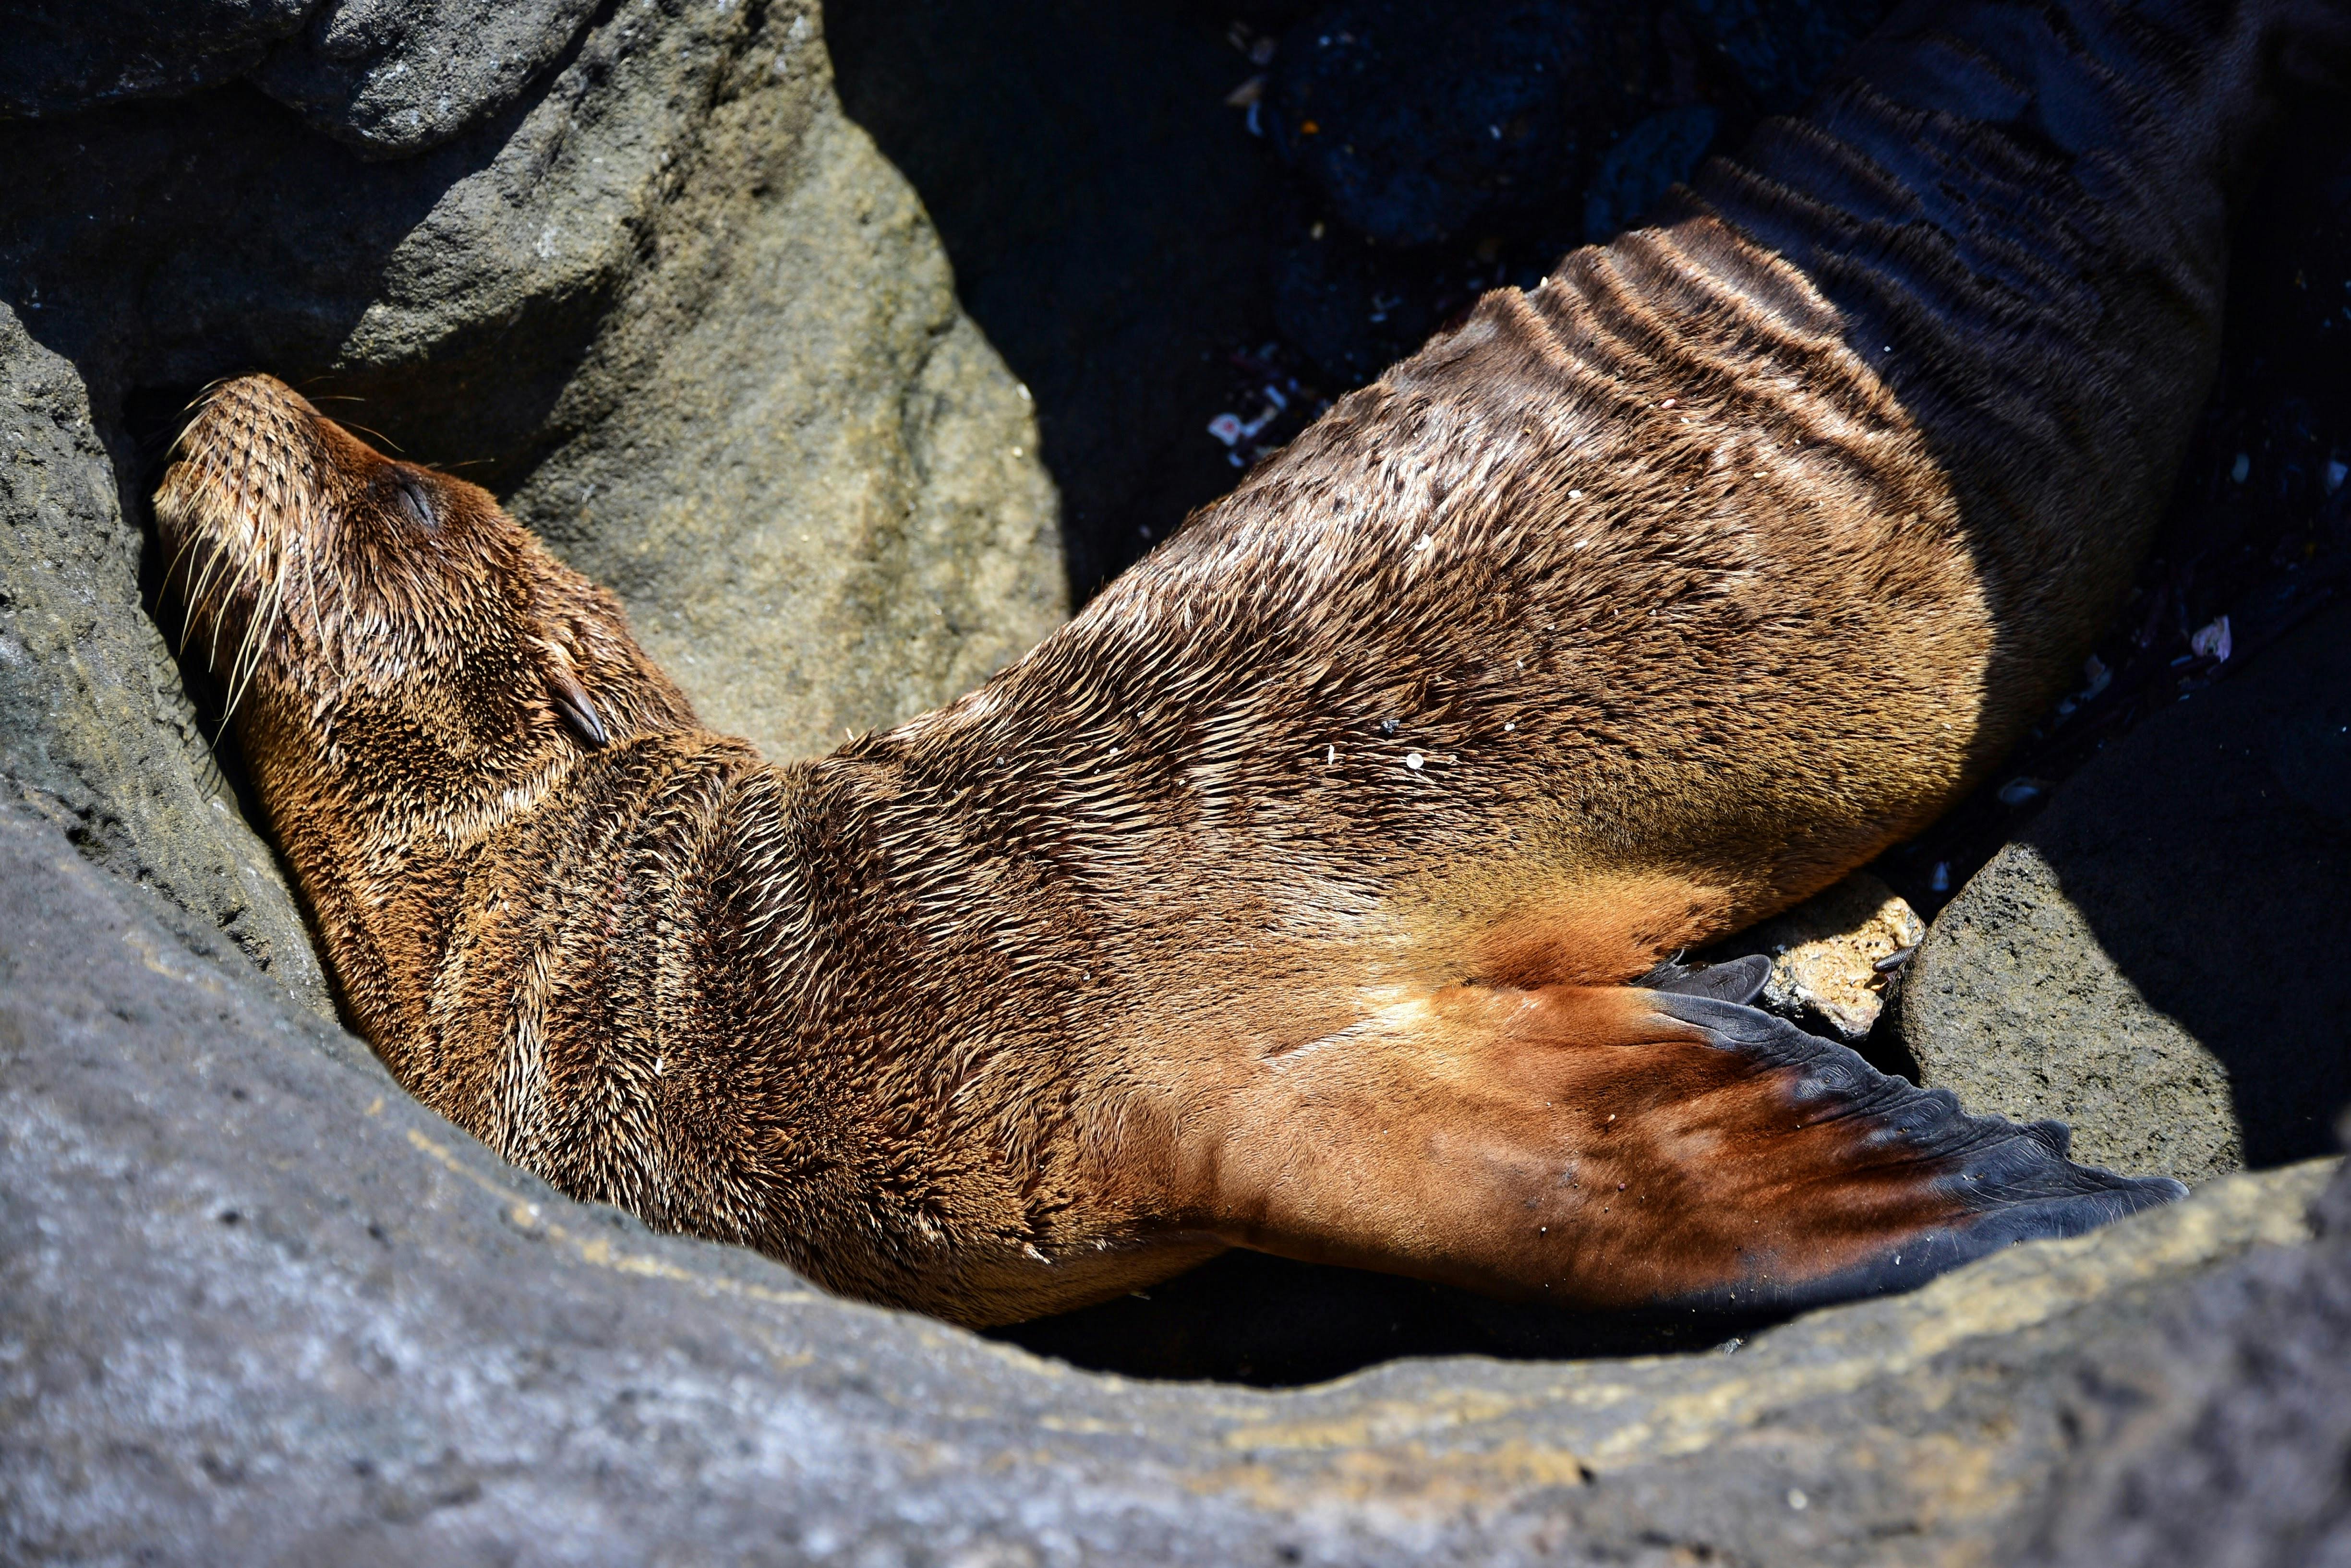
(1107, 217)
(1142, 226)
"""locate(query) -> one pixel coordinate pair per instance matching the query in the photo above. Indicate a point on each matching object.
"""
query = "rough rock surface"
(669, 304)
(2147, 961)
(96, 733)
(396, 77)
(2224, 1436)
(257, 1306)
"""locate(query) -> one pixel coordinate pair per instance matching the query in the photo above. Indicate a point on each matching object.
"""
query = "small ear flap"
(579, 710)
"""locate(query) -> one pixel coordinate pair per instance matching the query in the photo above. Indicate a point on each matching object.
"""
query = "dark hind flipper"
(1741, 979)
(1623, 1147)
(2001, 1182)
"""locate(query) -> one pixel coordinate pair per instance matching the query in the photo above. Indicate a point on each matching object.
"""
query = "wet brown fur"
(1691, 580)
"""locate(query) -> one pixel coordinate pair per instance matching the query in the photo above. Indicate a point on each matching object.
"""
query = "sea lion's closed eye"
(412, 499)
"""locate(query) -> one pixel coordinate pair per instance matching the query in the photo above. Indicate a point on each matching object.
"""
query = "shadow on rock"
(1106, 214)
(2151, 961)
(167, 244)
(1246, 1317)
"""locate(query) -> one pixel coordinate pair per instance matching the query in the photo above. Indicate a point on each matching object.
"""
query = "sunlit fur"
(1285, 898)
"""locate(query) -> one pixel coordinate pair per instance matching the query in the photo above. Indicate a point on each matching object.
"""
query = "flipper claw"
(1741, 979)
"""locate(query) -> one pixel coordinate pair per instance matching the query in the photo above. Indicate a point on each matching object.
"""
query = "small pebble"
(2214, 641)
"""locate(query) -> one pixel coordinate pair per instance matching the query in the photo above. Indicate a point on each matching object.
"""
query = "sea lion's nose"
(243, 414)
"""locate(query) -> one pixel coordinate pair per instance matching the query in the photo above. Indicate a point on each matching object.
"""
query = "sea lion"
(1288, 898)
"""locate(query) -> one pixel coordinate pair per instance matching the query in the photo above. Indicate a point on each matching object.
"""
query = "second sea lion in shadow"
(1289, 896)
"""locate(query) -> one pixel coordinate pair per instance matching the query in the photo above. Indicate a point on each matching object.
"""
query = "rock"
(813, 483)
(262, 1307)
(397, 77)
(2015, 1005)
(1826, 951)
(668, 303)
(2223, 1435)
(69, 55)
(1415, 121)
(2139, 962)
(96, 734)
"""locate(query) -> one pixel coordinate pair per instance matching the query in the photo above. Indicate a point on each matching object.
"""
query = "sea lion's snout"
(239, 511)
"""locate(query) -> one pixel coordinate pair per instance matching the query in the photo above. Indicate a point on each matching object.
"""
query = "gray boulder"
(97, 735)
(668, 303)
(261, 1307)
(2150, 960)
(2223, 1436)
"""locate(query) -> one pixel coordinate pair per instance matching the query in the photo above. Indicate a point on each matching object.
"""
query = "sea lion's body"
(1286, 897)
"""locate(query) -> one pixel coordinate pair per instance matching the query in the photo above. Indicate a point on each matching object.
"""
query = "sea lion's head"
(363, 613)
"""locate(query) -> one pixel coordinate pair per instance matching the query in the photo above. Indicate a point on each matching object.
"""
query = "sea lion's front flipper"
(1627, 1147)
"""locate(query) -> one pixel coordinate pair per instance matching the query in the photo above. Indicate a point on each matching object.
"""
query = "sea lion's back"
(1746, 542)
(2019, 209)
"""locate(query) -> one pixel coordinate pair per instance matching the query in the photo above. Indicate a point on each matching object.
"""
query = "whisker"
(214, 552)
(177, 556)
(257, 643)
(236, 577)
(240, 574)
(253, 619)
(334, 657)
(355, 425)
